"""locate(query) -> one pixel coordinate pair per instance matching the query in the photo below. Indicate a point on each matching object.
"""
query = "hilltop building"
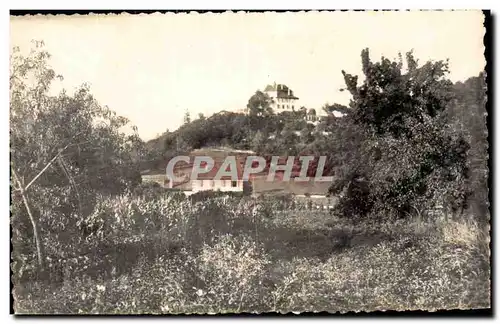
(282, 97)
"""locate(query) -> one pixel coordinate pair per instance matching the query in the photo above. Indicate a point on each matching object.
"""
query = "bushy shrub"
(443, 265)
(150, 190)
(204, 195)
(230, 275)
(121, 229)
(408, 154)
(389, 275)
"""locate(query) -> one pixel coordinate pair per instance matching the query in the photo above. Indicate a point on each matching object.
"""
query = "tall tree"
(64, 149)
(259, 104)
(467, 112)
(408, 157)
(331, 108)
(187, 117)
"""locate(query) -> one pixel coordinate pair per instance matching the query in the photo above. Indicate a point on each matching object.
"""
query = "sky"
(153, 68)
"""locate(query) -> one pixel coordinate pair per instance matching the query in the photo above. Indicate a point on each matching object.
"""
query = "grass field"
(167, 255)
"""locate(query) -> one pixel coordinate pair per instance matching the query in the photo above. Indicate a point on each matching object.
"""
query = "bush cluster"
(220, 256)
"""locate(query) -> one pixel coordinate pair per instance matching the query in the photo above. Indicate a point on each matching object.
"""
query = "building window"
(278, 106)
(287, 106)
(293, 107)
(233, 184)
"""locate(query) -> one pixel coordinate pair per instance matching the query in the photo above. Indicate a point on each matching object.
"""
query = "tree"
(64, 150)
(467, 112)
(306, 134)
(388, 97)
(303, 111)
(258, 142)
(259, 104)
(329, 109)
(407, 156)
(187, 117)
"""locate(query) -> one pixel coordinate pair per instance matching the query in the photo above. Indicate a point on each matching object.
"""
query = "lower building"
(209, 180)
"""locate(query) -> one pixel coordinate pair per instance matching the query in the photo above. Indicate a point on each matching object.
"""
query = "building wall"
(222, 185)
(272, 94)
(282, 104)
(286, 104)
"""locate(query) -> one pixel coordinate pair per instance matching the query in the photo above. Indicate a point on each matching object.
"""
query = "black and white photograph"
(249, 162)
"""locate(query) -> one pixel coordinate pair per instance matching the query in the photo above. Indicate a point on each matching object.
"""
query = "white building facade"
(282, 98)
(216, 185)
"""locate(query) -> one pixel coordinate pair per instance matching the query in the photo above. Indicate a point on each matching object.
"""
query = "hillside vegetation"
(410, 229)
(172, 255)
(410, 141)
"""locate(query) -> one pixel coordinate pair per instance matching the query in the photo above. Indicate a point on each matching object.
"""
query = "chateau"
(282, 97)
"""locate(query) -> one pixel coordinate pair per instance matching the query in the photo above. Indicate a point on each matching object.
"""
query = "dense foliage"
(409, 157)
(409, 142)
(234, 254)
(65, 150)
(84, 231)
(467, 112)
(284, 133)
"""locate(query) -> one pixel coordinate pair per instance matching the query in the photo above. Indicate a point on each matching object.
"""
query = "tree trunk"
(34, 224)
(24, 195)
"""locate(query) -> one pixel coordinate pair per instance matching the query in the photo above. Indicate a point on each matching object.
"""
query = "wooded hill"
(406, 130)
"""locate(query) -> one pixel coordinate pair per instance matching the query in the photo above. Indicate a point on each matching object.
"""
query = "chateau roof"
(282, 91)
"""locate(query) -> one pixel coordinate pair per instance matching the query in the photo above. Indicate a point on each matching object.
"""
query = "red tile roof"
(210, 175)
(186, 169)
(183, 168)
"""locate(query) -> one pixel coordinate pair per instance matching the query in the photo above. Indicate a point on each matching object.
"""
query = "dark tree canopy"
(259, 104)
(407, 157)
(388, 97)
